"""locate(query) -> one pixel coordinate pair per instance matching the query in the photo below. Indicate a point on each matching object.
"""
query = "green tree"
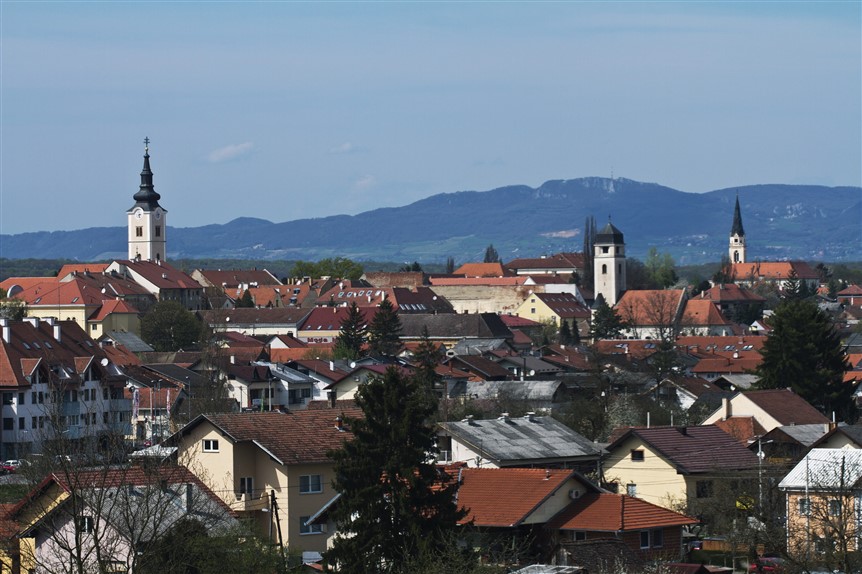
(589, 251)
(384, 332)
(340, 267)
(791, 289)
(351, 338)
(426, 358)
(415, 267)
(606, 323)
(450, 265)
(565, 333)
(394, 505)
(169, 326)
(804, 352)
(11, 308)
(491, 255)
(660, 268)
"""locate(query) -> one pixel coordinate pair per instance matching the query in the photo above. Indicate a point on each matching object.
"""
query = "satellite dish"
(104, 362)
(352, 364)
(227, 319)
(532, 373)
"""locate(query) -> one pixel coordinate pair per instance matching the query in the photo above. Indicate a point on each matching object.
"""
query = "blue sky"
(284, 110)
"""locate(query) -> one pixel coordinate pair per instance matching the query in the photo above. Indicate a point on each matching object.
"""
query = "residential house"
(529, 367)
(287, 388)
(681, 391)
(652, 314)
(824, 493)
(164, 282)
(108, 517)
(703, 317)
(546, 396)
(481, 270)
(56, 381)
(417, 300)
(557, 264)
(531, 441)
(225, 279)
(768, 409)
(152, 396)
(251, 460)
(256, 322)
(481, 368)
(557, 308)
(669, 466)
(344, 389)
(841, 436)
(851, 296)
(650, 532)
(733, 301)
(323, 324)
(787, 444)
(449, 328)
(472, 295)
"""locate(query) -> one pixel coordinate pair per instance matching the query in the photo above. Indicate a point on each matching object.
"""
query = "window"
(8, 423)
(158, 230)
(210, 445)
(637, 456)
(139, 231)
(579, 535)
(22, 398)
(632, 489)
(604, 269)
(644, 538)
(246, 485)
(657, 538)
(309, 528)
(7, 398)
(605, 249)
(84, 523)
(834, 508)
(35, 422)
(703, 489)
(21, 424)
(93, 327)
(310, 483)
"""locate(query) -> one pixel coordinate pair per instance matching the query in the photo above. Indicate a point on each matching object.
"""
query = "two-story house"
(270, 467)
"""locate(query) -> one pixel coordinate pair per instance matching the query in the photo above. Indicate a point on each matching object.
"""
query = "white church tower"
(609, 264)
(736, 250)
(147, 219)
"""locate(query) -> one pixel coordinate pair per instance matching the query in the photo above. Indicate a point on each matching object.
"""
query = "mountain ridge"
(781, 221)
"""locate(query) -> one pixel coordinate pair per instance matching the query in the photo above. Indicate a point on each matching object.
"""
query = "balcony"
(250, 501)
(120, 405)
(70, 409)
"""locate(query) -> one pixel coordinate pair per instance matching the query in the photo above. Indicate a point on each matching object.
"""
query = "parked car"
(13, 463)
(766, 564)
(6, 468)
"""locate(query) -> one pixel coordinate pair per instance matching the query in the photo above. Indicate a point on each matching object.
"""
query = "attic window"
(729, 348)
(26, 346)
(748, 348)
(75, 300)
(89, 344)
(36, 345)
(47, 344)
(36, 302)
(638, 455)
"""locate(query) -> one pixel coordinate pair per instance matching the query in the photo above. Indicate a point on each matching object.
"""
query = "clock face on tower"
(139, 213)
(158, 214)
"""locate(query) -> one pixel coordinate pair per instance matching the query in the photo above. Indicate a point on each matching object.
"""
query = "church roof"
(609, 234)
(737, 229)
(146, 198)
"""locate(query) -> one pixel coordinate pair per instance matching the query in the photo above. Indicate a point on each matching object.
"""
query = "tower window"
(605, 249)
(158, 230)
(139, 231)
(604, 269)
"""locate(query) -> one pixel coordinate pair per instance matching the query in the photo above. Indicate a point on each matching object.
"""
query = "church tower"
(736, 250)
(609, 264)
(147, 219)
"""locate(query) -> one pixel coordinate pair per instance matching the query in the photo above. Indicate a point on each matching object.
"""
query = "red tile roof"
(113, 307)
(771, 270)
(731, 293)
(564, 305)
(702, 313)
(606, 512)
(650, 306)
(560, 261)
(481, 270)
(486, 281)
(505, 497)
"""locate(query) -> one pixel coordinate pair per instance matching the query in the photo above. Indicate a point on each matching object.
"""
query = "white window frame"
(307, 487)
(309, 529)
(209, 445)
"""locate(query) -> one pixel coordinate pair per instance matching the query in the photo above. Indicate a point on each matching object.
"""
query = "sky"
(290, 110)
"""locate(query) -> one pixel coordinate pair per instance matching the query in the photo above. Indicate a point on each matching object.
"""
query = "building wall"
(804, 530)
(656, 479)
(741, 406)
(484, 298)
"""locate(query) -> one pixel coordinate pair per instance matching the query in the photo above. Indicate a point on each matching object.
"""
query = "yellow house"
(271, 467)
(556, 308)
(671, 466)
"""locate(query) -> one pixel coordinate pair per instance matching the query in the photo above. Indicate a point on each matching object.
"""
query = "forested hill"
(781, 222)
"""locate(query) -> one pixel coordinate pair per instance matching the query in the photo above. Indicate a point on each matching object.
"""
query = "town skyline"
(301, 111)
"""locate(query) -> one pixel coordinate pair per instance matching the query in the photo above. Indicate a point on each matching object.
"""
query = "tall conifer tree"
(384, 332)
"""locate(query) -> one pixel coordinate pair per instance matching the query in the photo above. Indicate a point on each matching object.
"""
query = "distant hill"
(781, 222)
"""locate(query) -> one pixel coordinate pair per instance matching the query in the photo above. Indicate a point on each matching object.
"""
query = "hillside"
(781, 221)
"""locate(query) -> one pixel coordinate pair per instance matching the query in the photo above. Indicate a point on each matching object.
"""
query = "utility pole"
(273, 502)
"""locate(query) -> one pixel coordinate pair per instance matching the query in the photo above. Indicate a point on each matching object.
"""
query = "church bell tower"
(147, 219)
(736, 250)
(609, 264)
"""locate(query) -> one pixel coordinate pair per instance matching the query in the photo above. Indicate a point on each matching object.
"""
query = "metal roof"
(825, 469)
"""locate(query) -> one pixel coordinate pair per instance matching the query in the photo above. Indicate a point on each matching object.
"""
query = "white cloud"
(365, 182)
(346, 147)
(230, 152)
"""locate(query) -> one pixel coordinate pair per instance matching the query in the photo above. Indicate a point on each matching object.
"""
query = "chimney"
(725, 407)
(58, 336)
(468, 419)
(504, 417)
(233, 359)
(331, 396)
(33, 321)
(531, 416)
(7, 330)
(190, 492)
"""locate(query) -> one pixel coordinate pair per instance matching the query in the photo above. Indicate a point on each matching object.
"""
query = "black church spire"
(737, 221)
(147, 197)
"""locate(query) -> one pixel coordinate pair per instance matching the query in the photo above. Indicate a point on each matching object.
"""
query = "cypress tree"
(804, 352)
(351, 338)
(395, 506)
(384, 332)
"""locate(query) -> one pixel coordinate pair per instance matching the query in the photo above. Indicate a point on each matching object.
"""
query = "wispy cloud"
(230, 152)
(346, 147)
(365, 182)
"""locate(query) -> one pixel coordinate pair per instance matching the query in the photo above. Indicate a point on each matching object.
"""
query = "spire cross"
(147, 143)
